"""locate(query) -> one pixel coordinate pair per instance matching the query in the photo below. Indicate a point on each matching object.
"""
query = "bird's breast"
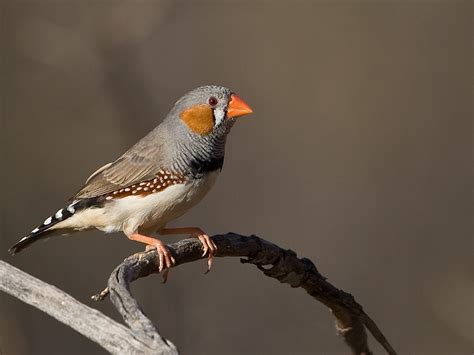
(153, 211)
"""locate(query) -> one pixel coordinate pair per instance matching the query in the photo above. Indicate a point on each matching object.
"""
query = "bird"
(157, 180)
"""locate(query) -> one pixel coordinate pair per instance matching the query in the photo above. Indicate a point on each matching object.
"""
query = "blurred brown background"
(358, 157)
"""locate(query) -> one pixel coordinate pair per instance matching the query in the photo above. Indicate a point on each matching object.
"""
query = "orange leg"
(209, 247)
(166, 259)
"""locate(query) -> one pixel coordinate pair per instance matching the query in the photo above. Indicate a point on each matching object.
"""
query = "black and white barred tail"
(46, 230)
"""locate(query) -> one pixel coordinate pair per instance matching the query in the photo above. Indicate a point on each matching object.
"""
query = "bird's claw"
(166, 260)
(209, 248)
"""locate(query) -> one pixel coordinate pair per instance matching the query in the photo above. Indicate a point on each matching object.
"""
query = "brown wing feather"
(125, 171)
(140, 163)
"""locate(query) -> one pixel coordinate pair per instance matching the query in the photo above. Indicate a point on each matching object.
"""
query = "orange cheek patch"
(199, 118)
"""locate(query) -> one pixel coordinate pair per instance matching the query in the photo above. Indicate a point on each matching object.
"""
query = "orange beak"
(237, 107)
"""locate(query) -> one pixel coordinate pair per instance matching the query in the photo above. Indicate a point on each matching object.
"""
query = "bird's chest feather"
(157, 209)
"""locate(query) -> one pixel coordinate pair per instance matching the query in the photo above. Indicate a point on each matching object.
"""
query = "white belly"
(143, 214)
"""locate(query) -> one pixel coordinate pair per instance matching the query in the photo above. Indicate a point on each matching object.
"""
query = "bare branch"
(285, 266)
(112, 336)
(143, 336)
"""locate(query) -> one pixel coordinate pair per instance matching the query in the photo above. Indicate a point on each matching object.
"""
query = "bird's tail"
(45, 230)
(29, 239)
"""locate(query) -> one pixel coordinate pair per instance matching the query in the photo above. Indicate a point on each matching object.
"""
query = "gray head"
(199, 123)
(208, 110)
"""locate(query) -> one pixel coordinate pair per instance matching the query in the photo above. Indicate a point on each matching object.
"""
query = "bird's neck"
(202, 154)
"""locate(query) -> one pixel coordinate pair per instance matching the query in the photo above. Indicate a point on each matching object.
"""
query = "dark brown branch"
(273, 261)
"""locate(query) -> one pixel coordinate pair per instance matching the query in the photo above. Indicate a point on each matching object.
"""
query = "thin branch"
(143, 337)
(285, 266)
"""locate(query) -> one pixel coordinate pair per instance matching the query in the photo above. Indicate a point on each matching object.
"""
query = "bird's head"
(210, 109)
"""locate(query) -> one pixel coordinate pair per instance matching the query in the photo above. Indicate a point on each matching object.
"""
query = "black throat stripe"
(201, 167)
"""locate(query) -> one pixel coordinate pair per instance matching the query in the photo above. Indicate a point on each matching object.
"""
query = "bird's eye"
(212, 101)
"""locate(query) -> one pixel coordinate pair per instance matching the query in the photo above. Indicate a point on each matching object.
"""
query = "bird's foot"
(209, 248)
(166, 260)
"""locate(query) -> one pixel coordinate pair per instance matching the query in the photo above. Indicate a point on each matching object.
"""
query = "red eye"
(212, 101)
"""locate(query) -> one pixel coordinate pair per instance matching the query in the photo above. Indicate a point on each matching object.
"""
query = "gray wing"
(129, 169)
